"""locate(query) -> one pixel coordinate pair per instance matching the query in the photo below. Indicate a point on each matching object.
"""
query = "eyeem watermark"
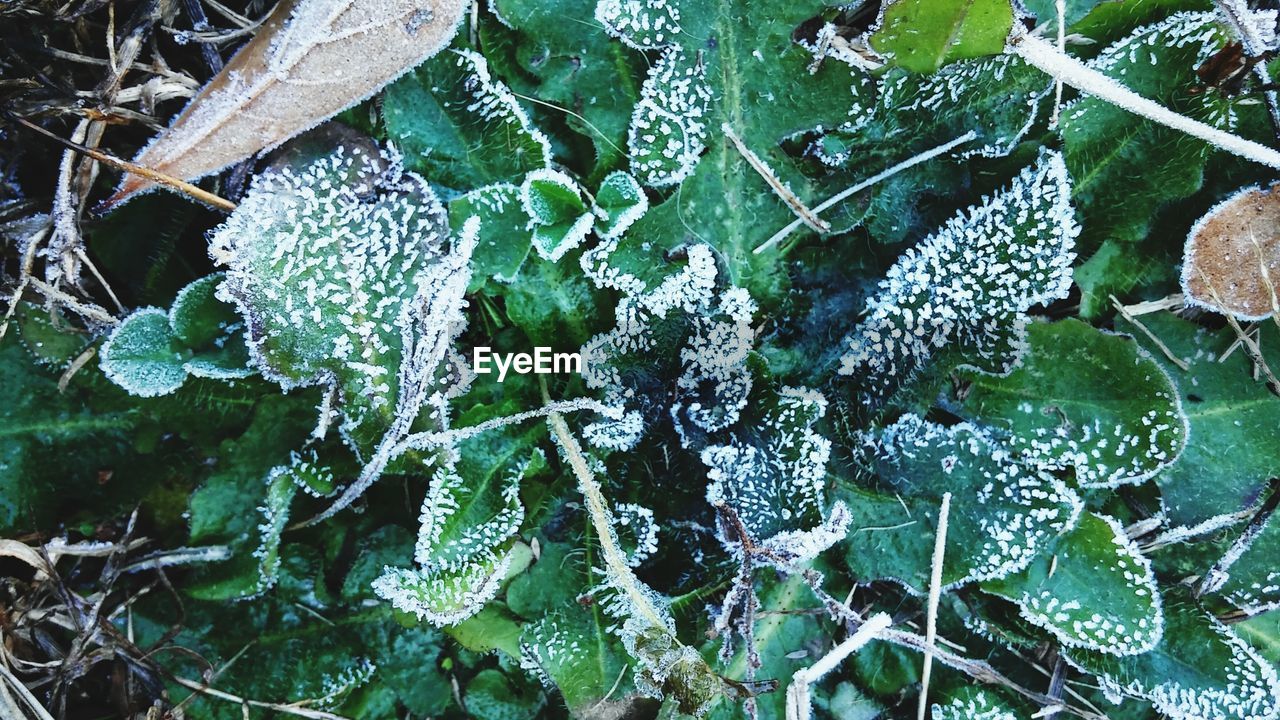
(542, 362)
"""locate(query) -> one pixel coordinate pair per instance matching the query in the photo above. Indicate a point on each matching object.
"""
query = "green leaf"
(1002, 512)
(619, 202)
(782, 636)
(47, 335)
(460, 126)
(235, 503)
(491, 696)
(1084, 399)
(559, 218)
(570, 651)
(970, 284)
(470, 515)
(140, 356)
(1091, 588)
(503, 242)
(995, 99)
(55, 445)
(1114, 269)
(1201, 670)
(334, 265)
(1125, 168)
(754, 78)
(590, 79)
(923, 35)
(1046, 11)
(211, 331)
(1224, 468)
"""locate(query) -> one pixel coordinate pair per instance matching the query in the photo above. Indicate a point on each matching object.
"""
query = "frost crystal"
(642, 24)
(669, 125)
(971, 283)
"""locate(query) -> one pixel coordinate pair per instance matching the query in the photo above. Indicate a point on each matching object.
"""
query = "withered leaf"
(311, 60)
(1232, 260)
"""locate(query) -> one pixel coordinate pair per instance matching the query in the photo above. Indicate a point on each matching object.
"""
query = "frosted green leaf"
(309, 474)
(974, 703)
(572, 65)
(560, 220)
(620, 201)
(1247, 575)
(460, 126)
(776, 481)
(1224, 468)
(281, 487)
(1003, 512)
(47, 336)
(996, 98)
(1200, 670)
(970, 284)
(742, 67)
(332, 265)
(669, 125)
(923, 35)
(139, 356)
(1084, 399)
(443, 597)
(211, 330)
(491, 695)
(568, 651)
(1091, 588)
(1103, 144)
(504, 241)
(470, 514)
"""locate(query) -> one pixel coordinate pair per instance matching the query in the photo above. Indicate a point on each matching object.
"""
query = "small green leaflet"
(152, 351)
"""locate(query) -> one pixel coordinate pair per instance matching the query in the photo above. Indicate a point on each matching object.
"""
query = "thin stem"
(181, 186)
(598, 511)
(797, 206)
(1071, 71)
(931, 609)
(878, 177)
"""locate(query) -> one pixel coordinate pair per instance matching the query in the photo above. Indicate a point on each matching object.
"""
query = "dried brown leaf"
(1232, 260)
(311, 60)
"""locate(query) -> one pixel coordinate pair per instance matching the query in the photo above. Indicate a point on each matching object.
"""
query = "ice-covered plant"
(893, 398)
